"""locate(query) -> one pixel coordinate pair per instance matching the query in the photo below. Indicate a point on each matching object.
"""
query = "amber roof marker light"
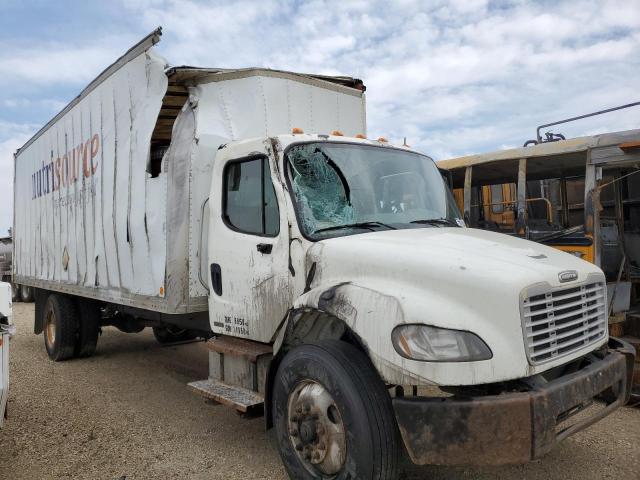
(295, 130)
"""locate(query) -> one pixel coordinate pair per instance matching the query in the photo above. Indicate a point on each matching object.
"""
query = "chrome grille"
(561, 321)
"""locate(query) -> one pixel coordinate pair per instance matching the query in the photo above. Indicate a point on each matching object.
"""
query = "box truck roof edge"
(182, 75)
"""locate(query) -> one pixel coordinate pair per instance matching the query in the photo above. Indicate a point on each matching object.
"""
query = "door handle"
(264, 248)
(216, 278)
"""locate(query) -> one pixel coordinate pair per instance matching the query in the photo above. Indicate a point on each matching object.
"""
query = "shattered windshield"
(343, 189)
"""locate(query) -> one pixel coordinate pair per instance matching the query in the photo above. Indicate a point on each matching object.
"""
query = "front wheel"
(333, 415)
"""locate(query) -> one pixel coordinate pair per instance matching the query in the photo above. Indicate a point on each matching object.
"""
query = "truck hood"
(458, 252)
(458, 278)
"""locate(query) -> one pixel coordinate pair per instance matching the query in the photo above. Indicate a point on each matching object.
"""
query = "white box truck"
(338, 287)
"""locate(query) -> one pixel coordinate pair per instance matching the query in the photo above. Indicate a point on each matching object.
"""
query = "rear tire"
(172, 334)
(60, 320)
(88, 328)
(331, 386)
(26, 293)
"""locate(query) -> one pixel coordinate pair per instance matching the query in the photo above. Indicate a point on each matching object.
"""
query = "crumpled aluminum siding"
(85, 212)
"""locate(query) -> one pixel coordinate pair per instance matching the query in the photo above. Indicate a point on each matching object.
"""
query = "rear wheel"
(333, 415)
(60, 327)
(26, 293)
(88, 328)
(172, 334)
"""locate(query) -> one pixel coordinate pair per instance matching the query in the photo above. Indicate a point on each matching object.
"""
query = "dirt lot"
(126, 413)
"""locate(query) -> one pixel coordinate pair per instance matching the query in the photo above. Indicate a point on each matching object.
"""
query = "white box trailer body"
(96, 213)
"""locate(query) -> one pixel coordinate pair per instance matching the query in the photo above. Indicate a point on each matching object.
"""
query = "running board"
(243, 400)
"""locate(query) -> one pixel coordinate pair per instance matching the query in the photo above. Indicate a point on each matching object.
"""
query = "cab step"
(239, 362)
(242, 399)
(239, 347)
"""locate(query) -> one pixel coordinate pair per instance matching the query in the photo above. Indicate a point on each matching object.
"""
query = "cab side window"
(249, 200)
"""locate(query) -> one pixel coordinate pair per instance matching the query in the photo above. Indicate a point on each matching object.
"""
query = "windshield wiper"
(367, 225)
(436, 221)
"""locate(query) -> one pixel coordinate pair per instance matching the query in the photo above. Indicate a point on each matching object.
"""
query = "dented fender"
(370, 315)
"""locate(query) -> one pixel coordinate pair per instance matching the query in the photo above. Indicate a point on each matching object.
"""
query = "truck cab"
(327, 250)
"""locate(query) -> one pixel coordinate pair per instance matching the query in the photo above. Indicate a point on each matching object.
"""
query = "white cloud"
(52, 104)
(16, 135)
(62, 64)
(437, 71)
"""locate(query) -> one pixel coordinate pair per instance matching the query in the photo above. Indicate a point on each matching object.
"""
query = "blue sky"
(454, 77)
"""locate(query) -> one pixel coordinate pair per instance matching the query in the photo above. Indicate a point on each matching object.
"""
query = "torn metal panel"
(81, 193)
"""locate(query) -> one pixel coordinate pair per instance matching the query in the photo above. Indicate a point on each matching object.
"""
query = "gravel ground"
(126, 413)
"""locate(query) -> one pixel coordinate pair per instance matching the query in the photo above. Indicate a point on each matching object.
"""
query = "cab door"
(248, 247)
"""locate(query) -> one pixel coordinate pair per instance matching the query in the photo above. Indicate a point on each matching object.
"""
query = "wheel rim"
(50, 329)
(315, 429)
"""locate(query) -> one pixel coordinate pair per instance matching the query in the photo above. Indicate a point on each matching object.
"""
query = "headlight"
(433, 344)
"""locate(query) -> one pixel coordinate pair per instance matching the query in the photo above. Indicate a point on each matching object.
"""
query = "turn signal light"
(297, 130)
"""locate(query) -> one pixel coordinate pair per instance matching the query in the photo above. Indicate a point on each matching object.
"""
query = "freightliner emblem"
(568, 276)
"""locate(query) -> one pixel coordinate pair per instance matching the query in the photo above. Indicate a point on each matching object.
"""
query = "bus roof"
(571, 146)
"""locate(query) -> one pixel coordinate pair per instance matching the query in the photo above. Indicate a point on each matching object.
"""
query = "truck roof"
(181, 77)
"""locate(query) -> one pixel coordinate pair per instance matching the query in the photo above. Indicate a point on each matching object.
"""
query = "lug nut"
(307, 407)
(299, 447)
(294, 432)
(299, 409)
(322, 446)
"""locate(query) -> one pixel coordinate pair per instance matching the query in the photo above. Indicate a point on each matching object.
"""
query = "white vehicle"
(332, 275)
(19, 293)
(7, 329)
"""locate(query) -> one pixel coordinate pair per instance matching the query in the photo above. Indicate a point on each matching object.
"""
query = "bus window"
(496, 199)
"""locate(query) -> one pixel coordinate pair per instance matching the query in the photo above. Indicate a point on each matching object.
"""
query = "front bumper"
(513, 427)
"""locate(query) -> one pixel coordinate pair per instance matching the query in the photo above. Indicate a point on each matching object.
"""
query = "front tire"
(60, 327)
(333, 415)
